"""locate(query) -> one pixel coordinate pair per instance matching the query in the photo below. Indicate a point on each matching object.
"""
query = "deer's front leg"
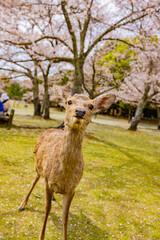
(49, 195)
(67, 199)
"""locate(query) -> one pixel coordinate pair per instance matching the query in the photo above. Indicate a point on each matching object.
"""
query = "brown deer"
(59, 158)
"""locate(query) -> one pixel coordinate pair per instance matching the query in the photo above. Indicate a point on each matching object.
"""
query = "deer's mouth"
(79, 117)
(77, 120)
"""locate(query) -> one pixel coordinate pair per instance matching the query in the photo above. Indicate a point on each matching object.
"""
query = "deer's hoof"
(21, 209)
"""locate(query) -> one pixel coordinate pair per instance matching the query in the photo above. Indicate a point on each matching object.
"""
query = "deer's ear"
(103, 102)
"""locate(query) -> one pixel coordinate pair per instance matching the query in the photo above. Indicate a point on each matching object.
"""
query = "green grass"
(117, 198)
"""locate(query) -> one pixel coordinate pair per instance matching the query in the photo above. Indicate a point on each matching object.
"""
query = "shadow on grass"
(133, 173)
(80, 227)
(130, 153)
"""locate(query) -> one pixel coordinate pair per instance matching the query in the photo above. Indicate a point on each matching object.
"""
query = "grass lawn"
(117, 198)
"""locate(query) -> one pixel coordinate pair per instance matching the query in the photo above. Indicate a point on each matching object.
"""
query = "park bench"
(8, 118)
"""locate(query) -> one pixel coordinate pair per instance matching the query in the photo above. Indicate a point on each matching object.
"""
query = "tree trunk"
(78, 77)
(36, 102)
(129, 114)
(46, 102)
(158, 113)
(141, 105)
(37, 106)
(138, 115)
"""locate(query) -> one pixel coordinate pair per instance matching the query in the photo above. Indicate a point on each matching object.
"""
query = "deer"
(58, 154)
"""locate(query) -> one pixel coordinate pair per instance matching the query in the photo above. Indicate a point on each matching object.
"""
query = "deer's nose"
(80, 112)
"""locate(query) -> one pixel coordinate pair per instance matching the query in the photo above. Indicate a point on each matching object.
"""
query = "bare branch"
(123, 41)
(14, 62)
(17, 76)
(85, 28)
(69, 26)
(107, 90)
(124, 21)
(38, 40)
(15, 71)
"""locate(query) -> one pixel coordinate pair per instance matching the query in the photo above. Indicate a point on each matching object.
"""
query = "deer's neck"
(71, 149)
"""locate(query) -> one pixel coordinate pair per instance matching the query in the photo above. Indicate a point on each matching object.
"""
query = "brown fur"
(57, 162)
(59, 158)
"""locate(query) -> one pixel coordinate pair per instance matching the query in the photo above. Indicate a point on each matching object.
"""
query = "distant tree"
(14, 64)
(15, 91)
(45, 70)
(143, 84)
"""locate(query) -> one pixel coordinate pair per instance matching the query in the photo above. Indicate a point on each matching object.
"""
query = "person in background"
(25, 104)
(1, 108)
(5, 101)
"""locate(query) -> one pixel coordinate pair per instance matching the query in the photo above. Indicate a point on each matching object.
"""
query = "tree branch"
(15, 71)
(59, 59)
(69, 26)
(38, 40)
(85, 28)
(115, 26)
(107, 90)
(123, 41)
(152, 95)
(7, 78)
(54, 60)
(14, 62)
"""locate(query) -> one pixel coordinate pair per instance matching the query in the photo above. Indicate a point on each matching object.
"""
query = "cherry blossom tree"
(70, 30)
(45, 69)
(143, 85)
(13, 62)
(108, 67)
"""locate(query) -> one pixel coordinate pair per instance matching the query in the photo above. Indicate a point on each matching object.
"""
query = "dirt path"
(100, 119)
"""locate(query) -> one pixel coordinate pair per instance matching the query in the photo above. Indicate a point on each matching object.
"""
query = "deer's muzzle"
(80, 113)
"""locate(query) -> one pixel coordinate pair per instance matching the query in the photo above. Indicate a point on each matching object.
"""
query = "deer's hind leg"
(24, 203)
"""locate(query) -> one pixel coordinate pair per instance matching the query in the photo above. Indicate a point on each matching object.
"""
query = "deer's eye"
(69, 102)
(91, 107)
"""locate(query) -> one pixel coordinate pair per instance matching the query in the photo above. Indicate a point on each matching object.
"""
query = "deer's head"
(79, 109)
